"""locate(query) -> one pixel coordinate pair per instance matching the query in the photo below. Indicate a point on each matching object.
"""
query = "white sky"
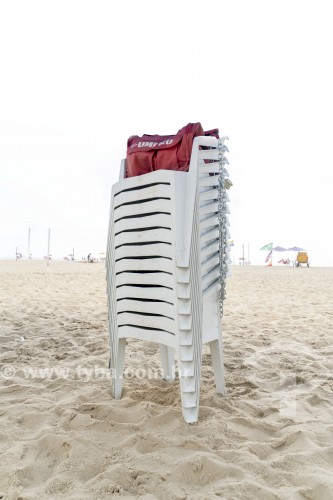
(77, 78)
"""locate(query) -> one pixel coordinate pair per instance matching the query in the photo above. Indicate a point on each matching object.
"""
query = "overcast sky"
(77, 78)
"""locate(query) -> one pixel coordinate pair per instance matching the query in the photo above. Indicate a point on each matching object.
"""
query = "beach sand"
(62, 436)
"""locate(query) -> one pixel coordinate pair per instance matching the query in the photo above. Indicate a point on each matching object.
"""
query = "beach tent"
(167, 262)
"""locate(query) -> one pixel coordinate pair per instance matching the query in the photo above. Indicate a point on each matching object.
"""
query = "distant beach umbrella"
(296, 249)
(269, 246)
(279, 249)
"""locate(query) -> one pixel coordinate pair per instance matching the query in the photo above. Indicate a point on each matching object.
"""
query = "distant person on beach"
(89, 258)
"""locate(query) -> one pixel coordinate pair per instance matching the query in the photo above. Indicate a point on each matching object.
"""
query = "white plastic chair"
(163, 269)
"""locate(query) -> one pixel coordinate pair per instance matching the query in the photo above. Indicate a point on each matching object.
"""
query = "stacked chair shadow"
(167, 261)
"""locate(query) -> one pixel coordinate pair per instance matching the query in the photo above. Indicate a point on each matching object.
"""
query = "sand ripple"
(63, 436)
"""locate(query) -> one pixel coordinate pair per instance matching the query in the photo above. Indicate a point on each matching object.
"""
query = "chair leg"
(168, 362)
(216, 350)
(190, 388)
(118, 369)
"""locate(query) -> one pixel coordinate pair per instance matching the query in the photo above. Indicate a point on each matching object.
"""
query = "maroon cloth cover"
(169, 152)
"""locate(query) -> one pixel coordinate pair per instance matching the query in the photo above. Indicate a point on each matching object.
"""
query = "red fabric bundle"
(169, 152)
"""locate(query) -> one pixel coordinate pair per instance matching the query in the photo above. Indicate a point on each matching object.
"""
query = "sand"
(62, 436)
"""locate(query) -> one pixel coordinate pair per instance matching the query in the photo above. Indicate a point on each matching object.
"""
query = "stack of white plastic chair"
(167, 261)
